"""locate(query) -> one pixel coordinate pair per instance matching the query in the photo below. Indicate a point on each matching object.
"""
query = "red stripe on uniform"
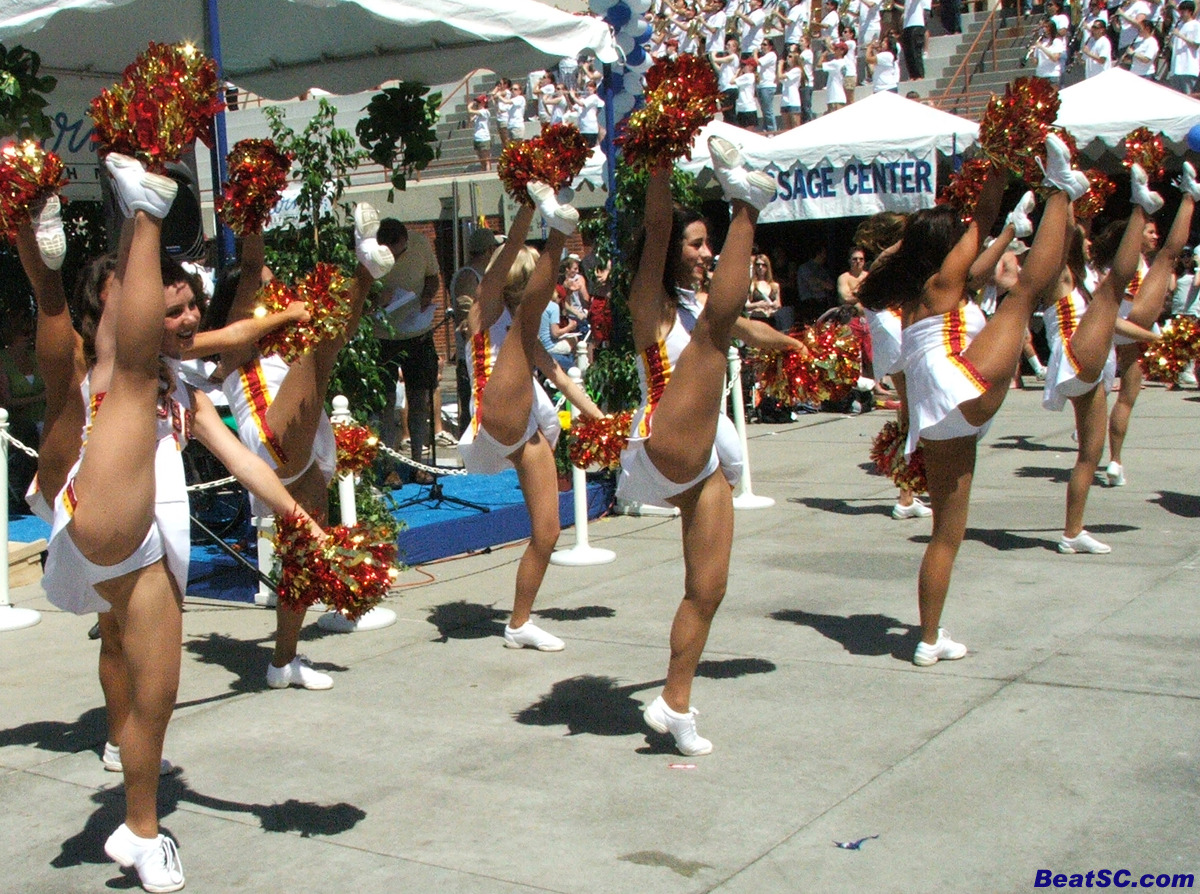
(254, 386)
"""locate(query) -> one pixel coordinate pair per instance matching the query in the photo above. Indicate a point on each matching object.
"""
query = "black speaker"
(183, 228)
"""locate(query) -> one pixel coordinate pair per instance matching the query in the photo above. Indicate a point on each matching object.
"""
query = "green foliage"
(612, 380)
(398, 131)
(326, 156)
(372, 506)
(22, 94)
(562, 455)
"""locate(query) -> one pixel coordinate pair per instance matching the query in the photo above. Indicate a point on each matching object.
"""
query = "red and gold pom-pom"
(1146, 149)
(555, 157)
(258, 173)
(1014, 126)
(963, 189)
(597, 443)
(290, 341)
(887, 452)
(828, 371)
(28, 176)
(327, 293)
(350, 570)
(1174, 352)
(1100, 189)
(165, 101)
(681, 96)
(357, 448)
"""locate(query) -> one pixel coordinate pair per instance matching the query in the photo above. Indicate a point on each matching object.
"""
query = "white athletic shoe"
(297, 672)
(111, 759)
(916, 509)
(366, 221)
(1019, 216)
(1116, 475)
(531, 636)
(155, 859)
(755, 188)
(945, 649)
(1083, 542)
(682, 727)
(1140, 191)
(559, 216)
(139, 190)
(378, 259)
(1057, 170)
(48, 232)
(1187, 182)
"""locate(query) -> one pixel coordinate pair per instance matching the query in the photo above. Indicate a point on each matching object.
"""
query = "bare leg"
(1130, 372)
(114, 676)
(1091, 410)
(996, 351)
(311, 491)
(539, 485)
(1092, 339)
(1148, 304)
(950, 468)
(707, 516)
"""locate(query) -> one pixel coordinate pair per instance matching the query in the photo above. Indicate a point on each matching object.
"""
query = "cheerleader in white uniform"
(1082, 366)
(513, 423)
(1142, 306)
(120, 536)
(956, 368)
(280, 409)
(679, 451)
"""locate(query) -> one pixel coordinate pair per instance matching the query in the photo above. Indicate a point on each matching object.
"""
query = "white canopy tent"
(874, 155)
(279, 48)
(1111, 104)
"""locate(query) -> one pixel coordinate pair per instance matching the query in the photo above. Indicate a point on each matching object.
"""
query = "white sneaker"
(1187, 378)
(532, 636)
(752, 187)
(916, 510)
(1019, 216)
(139, 190)
(111, 759)
(155, 859)
(377, 259)
(1083, 542)
(1057, 170)
(1140, 192)
(48, 232)
(366, 221)
(560, 217)
(682, 727)
(945, 649)
(1187, 182)
(1116, 475)
(297, 672)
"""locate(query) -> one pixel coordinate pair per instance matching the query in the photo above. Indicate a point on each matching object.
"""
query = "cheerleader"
(957, 369)
(513, 422)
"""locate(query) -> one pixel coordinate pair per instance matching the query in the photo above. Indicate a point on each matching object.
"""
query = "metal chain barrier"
(28, 451)
(432, 470)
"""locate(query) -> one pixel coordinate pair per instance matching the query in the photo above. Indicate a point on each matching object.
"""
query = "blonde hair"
(518, 274)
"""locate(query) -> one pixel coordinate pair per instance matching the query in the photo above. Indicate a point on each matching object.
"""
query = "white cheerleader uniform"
(70, 578)
(938, 378)
(1127, 302)
(640, 480)
(34, 498)
(1062, 369)
(250, 391)
(481, 453)
(885, 327)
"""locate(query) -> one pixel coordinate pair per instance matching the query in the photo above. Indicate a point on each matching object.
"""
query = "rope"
(432, 470)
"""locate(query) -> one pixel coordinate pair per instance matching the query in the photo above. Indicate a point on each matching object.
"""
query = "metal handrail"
(965, 70)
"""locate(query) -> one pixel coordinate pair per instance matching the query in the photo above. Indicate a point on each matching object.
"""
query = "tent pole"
(220, 149)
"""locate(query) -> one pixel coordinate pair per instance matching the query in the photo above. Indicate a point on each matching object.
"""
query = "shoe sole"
(366, 221)
(508, 644)
(729, 154)
(663, 729)
(1071, 551)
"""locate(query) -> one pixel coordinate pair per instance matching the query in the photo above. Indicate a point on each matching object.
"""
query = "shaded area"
(583, 613)
(859, 634)
(247, 660)
(1003, 540)
(844, 507)
(1025, 442)
(87, 732)
(686, 868)
(305, 817)
(466, 620)
(1051, 473)
(1183, 505)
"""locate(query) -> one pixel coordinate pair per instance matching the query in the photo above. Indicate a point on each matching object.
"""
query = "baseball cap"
(482, 240)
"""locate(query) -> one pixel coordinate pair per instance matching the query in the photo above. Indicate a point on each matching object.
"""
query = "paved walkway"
(1066, 740)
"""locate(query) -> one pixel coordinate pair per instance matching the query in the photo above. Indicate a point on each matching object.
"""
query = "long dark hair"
(216, 316)
(1105, 244)
(900, 278)
(681, 218)
(1077, 260)
(88, 289)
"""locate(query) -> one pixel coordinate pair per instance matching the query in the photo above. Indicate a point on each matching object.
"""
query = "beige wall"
(568, 5)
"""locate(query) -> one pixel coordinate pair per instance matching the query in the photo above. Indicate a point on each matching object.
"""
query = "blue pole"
(217, 154)
(610, 154)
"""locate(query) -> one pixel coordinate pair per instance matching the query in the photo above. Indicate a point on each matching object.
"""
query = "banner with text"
(855, 189)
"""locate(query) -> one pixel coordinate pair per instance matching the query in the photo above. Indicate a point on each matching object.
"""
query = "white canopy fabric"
(279, 48)
(1111, 104)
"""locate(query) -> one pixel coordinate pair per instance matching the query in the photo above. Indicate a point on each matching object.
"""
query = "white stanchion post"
(744, 496)
(582, 553)
(11, 617)
(264, 538)
(581, 356)
(377, 617)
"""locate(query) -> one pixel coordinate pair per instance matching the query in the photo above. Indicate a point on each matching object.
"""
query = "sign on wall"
(854, 189)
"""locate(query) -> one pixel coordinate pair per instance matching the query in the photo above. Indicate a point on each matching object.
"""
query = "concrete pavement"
(1066, 740)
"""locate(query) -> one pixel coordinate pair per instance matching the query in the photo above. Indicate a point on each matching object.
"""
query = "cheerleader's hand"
(297, 312)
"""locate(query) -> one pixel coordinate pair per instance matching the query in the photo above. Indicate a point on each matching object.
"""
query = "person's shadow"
(1183, 505)
(466, 620)
(859, 634)
(844, 507)
(247, 660)
(1026, 443)
(598, 706)
(55, 735)
(306, 817)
